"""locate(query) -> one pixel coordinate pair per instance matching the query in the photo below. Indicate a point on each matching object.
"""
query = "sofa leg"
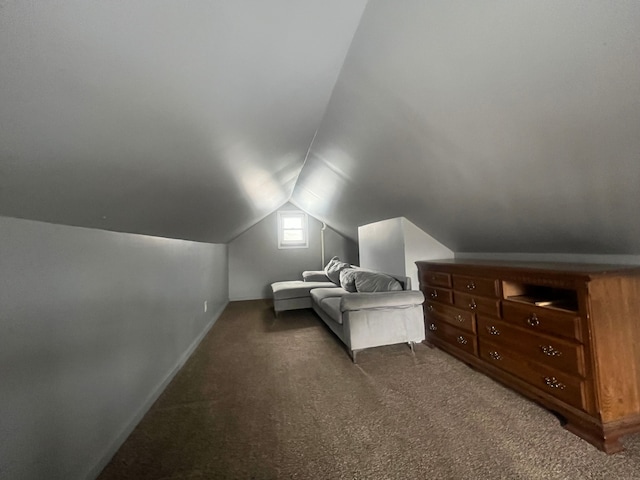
(353, 354)
(411, 344)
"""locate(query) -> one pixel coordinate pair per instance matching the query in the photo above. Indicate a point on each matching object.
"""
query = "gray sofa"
(295, 294)
(360, 318)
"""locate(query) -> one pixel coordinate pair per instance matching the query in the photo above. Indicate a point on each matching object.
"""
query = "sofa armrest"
(363, 301)
(315, 276)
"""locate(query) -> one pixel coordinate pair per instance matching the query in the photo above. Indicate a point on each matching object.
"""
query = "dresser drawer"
(563, 386)
(436, 279)
(454, 316)
(460, 339)
(480, 305)
(554, 352)
(438, 294)
(484, 287)
(540, 319)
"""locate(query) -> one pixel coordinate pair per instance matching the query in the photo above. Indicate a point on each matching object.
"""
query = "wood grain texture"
(615, 329)
(570, 340)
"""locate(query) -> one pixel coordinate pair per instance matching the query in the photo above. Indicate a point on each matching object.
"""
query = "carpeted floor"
(279, 398)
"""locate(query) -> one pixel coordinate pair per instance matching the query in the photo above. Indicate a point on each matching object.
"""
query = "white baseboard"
(116, 443)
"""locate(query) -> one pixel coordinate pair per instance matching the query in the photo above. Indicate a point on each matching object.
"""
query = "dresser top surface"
(587, 269)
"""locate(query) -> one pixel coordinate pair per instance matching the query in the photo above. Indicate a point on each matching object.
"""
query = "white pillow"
(333, 269)
(348, 279)
(370, 282)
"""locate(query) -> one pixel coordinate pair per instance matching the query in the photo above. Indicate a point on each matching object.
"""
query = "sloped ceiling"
(187, 119)
(494, 126)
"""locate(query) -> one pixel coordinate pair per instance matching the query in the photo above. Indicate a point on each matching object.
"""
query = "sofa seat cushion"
(297, 288)
(382, 300)
(331, 306)
(328, 299)
(319, 294)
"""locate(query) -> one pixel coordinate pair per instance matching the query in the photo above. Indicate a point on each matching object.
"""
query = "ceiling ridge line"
(304, 162)
(324, 113)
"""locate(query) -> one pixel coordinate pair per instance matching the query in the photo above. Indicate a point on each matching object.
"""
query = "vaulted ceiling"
(494, 126)
(187, 119)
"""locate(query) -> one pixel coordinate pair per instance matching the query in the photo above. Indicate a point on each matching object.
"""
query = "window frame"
(282, 243)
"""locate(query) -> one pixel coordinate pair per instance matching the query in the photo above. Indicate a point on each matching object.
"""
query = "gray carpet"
(279, 398)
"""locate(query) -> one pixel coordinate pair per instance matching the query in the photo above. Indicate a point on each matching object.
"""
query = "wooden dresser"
(564, 335)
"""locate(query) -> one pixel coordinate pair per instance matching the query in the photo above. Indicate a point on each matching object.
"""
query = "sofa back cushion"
(371, 282)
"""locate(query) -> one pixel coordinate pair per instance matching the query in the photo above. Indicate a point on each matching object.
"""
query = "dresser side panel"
(614, 327)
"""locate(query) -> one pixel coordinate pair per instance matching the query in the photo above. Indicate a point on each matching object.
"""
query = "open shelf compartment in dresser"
(540, 295)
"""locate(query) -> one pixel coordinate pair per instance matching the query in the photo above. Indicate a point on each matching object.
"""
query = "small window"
(292, 229)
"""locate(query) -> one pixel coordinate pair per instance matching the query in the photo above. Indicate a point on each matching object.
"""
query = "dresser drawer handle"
(493, 330)
(533, 320)
(434, 294)
(433, 327)
(549, 351)
(430, 308)
(473, 305)
(462, 340)
(460, 318)
(471, 286)
(554, 383)
(495, 355)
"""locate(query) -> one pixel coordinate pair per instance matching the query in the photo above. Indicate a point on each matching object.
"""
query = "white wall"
(420, 246)
(255, 261)
(381, 246)
(93, 324)
(394, 245)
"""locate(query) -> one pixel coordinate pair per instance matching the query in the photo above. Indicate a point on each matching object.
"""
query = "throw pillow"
(371, 282)
(333, 269)
(330, 263)
(348, 279)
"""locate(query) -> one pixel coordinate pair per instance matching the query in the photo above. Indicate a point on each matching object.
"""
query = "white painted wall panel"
(394, 245)
(420, 245)
(92, 325)
(381, 246)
